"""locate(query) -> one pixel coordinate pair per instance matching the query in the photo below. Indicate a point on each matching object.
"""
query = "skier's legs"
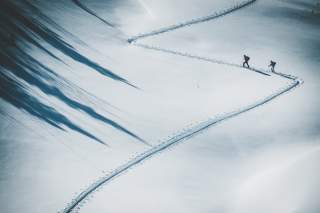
(245, 63)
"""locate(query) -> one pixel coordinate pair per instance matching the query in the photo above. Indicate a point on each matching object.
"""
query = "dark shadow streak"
(17, 32)
(15, 94)
(30, 27)
(17, 67)
(79, 4)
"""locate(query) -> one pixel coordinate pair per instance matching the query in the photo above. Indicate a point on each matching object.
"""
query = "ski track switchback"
(194, 129)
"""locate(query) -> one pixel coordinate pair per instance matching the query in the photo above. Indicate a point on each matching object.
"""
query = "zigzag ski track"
(76, 203)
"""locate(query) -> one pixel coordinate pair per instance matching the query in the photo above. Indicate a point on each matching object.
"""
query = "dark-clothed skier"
(246, 61)
(272, 65)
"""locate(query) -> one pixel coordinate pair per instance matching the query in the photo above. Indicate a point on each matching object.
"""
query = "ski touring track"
(192, 129)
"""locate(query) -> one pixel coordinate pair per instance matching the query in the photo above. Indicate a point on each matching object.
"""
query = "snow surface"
(237, 166)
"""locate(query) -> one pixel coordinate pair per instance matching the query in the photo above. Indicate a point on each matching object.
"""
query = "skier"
(272, 65)
(246, 60)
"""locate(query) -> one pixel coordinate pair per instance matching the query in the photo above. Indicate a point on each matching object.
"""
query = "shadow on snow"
(18, 31)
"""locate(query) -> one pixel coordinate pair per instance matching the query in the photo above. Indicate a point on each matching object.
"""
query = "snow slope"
(45, 167)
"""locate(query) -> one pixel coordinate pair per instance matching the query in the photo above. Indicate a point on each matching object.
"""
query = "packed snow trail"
(193, 21)
(212, 60)
(189, 131)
